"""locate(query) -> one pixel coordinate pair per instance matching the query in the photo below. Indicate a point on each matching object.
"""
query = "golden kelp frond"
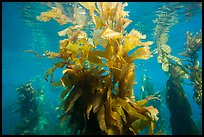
(143, 102)
(54, 13)
(165, 58)
(110, 34)
(162, 40)
(153, 112)
(98, 22)
(64, 13)
(80, 16)
(70, 100)
(91, 7)
(131, 41)
(141, 53)
(137, 34)
(111, 15)
(97, 37)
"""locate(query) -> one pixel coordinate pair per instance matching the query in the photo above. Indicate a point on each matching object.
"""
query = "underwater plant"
(31, 119)
(193, 45)
(99, 72)
(180, 110)
(181, 120)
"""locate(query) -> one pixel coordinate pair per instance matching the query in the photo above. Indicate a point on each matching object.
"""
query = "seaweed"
(32, 120)
(99, 97)
(180, 109)
(181, 121)
(193, 45)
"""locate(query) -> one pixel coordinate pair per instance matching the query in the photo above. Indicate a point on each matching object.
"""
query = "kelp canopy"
(99, 96)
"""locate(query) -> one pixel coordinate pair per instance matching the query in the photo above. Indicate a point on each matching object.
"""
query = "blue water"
(21, 31)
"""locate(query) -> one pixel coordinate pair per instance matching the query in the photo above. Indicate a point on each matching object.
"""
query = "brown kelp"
(180, 110)
(193, 45)
(181, 121)
(99, 96)
(31, 118)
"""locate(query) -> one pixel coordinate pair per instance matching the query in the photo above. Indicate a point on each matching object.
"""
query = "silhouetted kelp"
(181, 121)
(31, 118)
(180, 110)
(99, 97)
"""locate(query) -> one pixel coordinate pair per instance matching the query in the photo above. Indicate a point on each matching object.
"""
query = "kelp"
(167, 17)
(31, 119)
(180, 119)
(99, 82)
(172, 65)
(66, 12)
(55, 14)
(193, 45)
(177, 72)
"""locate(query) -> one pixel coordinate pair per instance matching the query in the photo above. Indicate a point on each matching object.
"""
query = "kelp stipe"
(99, 97)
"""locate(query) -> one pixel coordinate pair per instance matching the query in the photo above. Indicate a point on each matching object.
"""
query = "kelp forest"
(98, 59)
